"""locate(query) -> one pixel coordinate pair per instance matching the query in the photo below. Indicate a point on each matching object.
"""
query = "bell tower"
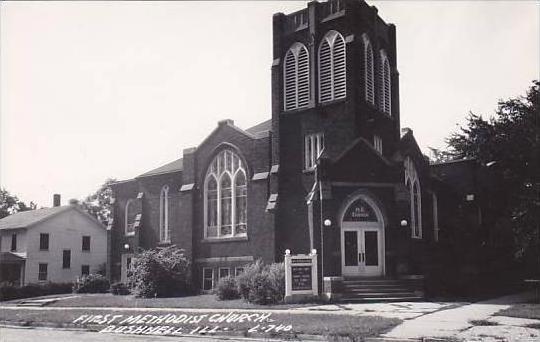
(334, 81)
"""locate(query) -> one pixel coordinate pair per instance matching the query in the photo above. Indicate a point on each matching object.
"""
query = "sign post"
(300, 276)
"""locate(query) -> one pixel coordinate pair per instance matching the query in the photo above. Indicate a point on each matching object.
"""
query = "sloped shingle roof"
(177, 165)
(261, 127)
(28, 218)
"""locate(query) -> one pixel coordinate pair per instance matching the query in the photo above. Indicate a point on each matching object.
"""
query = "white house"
(55, 244)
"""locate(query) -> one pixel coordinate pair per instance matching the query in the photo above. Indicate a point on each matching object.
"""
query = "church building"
(331, 170)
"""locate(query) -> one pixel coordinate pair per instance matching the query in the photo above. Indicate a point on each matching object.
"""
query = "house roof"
(8, 257)
(27, 218)
(174, 166)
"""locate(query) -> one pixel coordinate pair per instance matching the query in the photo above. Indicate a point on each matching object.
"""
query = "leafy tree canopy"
(509, 145)
(10, 204)
(99, 204)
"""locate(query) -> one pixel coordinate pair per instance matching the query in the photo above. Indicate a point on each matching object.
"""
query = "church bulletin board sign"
(300, 276)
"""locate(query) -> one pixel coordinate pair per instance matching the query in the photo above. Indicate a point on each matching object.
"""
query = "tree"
(10, 204)
(508, 144)
(99, 203)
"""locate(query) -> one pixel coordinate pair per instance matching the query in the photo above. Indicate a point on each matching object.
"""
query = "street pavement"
(420, 320)
(8, 334)
(457, 323)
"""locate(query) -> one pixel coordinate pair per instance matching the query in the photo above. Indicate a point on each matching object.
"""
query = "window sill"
(129, 234)
(43, 250)
(333, 102)
(164, 243)
(86, 251)
(297, 110)
(224, 239)
(308, 171)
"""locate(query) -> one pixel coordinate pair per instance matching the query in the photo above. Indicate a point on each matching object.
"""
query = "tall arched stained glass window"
(225, 196)
(164, 231)
(412, 183)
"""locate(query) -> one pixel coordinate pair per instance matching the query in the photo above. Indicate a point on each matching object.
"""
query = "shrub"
(8, 291)
(92, 283)
(227, 289)
(119, 289)
(244, 280)
(262, 284)
(161, 272)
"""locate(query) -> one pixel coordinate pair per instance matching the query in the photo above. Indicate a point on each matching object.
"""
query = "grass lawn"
(327, 325)
(522, 311)
(207, 301)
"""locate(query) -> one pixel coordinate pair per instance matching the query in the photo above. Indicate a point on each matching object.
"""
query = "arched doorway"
(362, 238)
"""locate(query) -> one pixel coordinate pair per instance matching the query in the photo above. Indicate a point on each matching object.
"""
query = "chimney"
(56, 200)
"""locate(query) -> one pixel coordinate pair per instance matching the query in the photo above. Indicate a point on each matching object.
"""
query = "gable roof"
(261, 127)
(178, 165)
(27, 218)
(174, 166)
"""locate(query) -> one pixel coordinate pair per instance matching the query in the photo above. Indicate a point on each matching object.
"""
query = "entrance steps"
(370, 290)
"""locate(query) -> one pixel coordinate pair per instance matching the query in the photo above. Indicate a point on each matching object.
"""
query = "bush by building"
(227, 288)
(9, 291)
(92, 283)
(262, 284)
(120, 289)
(161, 272)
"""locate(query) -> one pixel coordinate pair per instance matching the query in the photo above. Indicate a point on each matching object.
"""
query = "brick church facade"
(331, 170)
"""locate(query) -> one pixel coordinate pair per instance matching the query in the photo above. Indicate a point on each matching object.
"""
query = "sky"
(97, 90)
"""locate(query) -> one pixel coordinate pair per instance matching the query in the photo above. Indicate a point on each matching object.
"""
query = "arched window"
(413, 185)
(369, 82)
(332, 67)
(386, 88)
(164, 231)
(225, 190)
(129, 219)
(296, 77)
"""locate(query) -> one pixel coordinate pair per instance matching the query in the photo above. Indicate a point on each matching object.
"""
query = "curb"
(232, 335)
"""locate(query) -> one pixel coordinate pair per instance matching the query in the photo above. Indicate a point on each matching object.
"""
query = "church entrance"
(362, 239)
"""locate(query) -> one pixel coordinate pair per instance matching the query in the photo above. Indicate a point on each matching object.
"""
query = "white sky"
(91, 90)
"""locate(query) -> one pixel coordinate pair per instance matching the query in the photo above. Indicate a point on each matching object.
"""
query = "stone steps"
(369, 290)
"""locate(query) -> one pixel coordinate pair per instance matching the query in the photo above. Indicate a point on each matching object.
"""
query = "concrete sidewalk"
(456, 323)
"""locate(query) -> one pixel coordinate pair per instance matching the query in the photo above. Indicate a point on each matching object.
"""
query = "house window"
(296, 77)
(369, 82)
(224, 272)
(44, 242)
(435, 217)
(66, 258)
(313, 147)
(385, 85)
(332, 67)
(225, 194)
(164, 232)
(413, 185)
(86, 243)
(13, 242)
(238, 271)
(129, 219)
(42, 272)
(85, 270)
(208, 279)
(377, 143)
